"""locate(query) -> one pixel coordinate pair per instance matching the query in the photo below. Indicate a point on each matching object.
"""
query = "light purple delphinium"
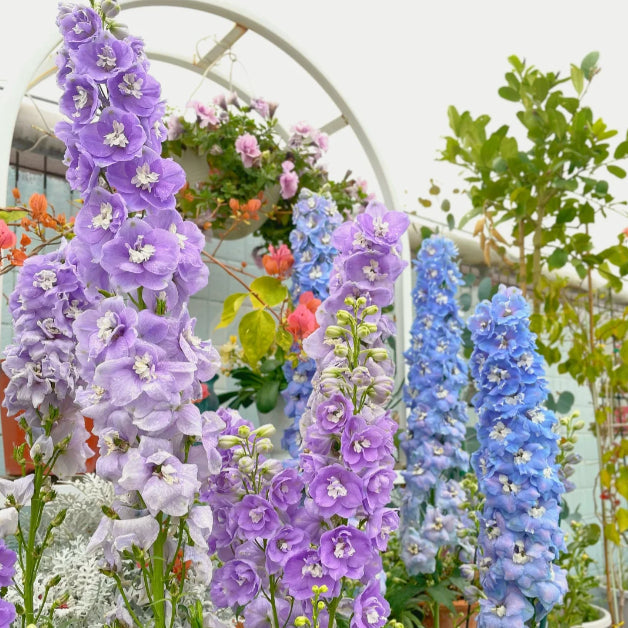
(137, 349)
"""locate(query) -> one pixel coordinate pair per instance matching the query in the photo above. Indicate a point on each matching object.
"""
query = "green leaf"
(622, 150)
(270, 290)
(508, 93)
(465, 302)
(516, 63)
(610, 532)
(565, 402)
(284, 339)
(230, 308)
(426, 233)
(257, 332)
(485, 288)
(622, 519)
(557, 259)
(454, 119)
(266, 398)
(12, 216)
(588, 64)
(577, 78)
(621, 483)
(620, 173)
(445, 205)
(451, 221)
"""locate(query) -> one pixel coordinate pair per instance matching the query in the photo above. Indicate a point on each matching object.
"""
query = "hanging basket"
(196, 169)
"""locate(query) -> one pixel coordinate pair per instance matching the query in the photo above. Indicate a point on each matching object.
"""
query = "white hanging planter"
(603, 622)
(196, 170)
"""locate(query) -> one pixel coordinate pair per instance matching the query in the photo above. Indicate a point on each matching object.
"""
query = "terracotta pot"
(458, 619)
(13, 435)
(196, 170)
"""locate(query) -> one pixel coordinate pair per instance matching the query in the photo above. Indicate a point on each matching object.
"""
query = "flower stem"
(30, 571)
(157, 579)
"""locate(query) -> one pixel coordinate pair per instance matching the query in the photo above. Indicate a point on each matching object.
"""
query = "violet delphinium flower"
(436, 421)
(314, 216)
(516, 467)
(137, 348)
(331, 514)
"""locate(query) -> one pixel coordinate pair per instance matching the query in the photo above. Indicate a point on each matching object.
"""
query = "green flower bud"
(343, 317)
(268, 429)
(244, 431)
(228, 441)
(334, 331)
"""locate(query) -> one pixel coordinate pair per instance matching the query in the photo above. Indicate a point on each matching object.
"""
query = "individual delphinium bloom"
(519, 537)
(433, 442)
(315, 216)
(137, 348)
(303, 535)
(43, 378)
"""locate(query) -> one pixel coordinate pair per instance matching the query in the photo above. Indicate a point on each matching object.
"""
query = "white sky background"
(398, 64)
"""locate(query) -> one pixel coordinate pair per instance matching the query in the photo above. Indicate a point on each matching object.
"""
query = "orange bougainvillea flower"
(278, 262)
(310, 301)
(178, 566)
(7, 237)
(17, 257)
(16, 195)
(24, 241)
(38, 204)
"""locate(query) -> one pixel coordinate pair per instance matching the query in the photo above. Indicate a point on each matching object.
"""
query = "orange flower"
(38, 204)
(24, 241)
(302, 322)
(310, 301)
(278, 262)
(16, 195)
(17, 257)
(179, 565)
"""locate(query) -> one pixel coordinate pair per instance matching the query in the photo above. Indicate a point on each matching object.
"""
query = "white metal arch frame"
(21, 82)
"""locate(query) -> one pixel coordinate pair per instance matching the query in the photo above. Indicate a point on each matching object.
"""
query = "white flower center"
(316, 570)
(380, 227)
(104, 218)
(80, 100)
(499, 431)
(182, 239)
(500, 610)
(342, 549)
(141, 253)
(168, 474)
(536, 512)
(110, 442)
(45, 279)
(523, 456)
(255, 515)
(131, 85)
(144, 178)
(361, 445)
(315, 273)
(372, 616)
(106, 58)
(371, 272)
(336, 489)
(143, 366)
(106, 325)
(117, 136)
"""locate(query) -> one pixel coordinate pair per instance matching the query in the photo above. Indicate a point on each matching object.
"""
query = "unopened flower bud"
(321, 606)
(54, 581)
(343, 317)
(110, 8)
(360, 301)
(271, 467)
(246, 464)
(379, 355)
(341, 350)
(578, 425)
(301, 620)
(264, 445)
(334, 331)
(268, 429)
(244, 431)
(119, 31)
(228, 441)
(350, 301)
(370, 310)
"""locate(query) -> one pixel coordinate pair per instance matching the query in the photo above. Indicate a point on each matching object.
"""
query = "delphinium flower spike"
(139, 262)
(430, 513)
(516, 466)
(315, 216)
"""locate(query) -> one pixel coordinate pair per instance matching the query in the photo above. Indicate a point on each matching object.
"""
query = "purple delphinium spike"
(519, 534)
(139, 263)
(331, 517)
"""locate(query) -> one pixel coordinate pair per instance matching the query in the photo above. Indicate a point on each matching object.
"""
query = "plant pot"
(13, 435)
(602, 622)
(196, 170)
(457, 619)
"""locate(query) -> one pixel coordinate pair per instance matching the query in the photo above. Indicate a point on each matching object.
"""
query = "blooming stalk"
(315, 217)
(430, 513)
(137, 350)
(516, 465)
(294, 541)
(43, 378)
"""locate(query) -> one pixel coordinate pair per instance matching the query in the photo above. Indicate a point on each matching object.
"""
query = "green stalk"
(273, 603)
(331, 609)
(436, 614)
(30, 571)
(157, 580)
